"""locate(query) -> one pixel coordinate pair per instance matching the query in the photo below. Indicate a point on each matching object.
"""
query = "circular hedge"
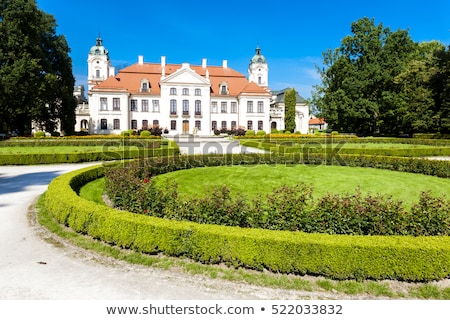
(335, 256)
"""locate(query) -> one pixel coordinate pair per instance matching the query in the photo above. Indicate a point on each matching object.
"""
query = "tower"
(99, 65)
(258, 70)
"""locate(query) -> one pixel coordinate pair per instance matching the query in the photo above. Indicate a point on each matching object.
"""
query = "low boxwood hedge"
(163, 149)
(339, 257)
(287, 147)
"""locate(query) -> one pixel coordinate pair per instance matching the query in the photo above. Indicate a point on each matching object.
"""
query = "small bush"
(39, 134)
(250, 133)
(145, 133)
(261, 133)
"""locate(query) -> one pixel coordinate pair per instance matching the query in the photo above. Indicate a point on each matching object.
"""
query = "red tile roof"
(317, 121)
(129, 79)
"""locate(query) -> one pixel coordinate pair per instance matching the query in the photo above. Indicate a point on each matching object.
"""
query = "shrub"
(39, 134)
(250, 133)
(145, 133)
(261, 133)
(125, 133)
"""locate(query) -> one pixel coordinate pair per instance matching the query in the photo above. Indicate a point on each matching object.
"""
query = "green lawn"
(262, 179)
(93, 190)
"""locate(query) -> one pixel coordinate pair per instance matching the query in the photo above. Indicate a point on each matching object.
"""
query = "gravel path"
(32, 267)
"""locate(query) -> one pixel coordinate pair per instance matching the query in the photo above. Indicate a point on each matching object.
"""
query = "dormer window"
(145, 86)
(224, 88)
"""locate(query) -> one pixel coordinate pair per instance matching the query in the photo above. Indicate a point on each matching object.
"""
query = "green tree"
(358, 91)
(290, 100)
(440, 84)
(36, 80)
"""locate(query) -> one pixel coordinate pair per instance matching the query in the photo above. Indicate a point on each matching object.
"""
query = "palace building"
(182, 98)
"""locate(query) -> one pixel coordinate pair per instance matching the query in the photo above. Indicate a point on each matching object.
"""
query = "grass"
(262, 179)
(93, 191)
(368, 288)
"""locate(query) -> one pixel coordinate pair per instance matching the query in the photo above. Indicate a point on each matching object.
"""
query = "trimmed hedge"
(339, 257)
(286, 147)
(163, 149)
(148, 142)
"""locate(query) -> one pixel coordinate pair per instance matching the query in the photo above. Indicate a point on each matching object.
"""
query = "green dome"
(258, 57)
(98, 49)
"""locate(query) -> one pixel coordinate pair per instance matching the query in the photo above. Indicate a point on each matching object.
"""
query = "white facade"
(181, 98)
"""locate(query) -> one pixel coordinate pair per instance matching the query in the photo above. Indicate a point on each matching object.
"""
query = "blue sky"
(292, 35)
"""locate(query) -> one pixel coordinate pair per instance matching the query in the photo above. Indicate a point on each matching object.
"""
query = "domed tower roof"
(258, 57)
(98, 49)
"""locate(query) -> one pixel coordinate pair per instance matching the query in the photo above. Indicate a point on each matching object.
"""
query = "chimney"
(163, 67)
(225, 63)
(203, 63)
(141, 59)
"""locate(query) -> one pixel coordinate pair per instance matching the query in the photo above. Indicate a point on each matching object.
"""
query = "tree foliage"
(381, 81)
(36, 80)
(290, 100)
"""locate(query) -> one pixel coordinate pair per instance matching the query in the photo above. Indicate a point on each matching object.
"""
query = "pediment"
(185, 75)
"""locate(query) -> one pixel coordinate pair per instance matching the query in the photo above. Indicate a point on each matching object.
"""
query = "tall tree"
(36, 80)
(290, 100)
(440, 84)
(358, 92)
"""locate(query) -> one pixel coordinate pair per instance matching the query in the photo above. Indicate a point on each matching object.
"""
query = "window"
(224, 124)
(249, 106)
(103, 124)
(134, 124)
(133, 105)
(260, 125)
(144, 124)
(214, 107)
(185, 107)
(155, 123)
(260, 107)
(223, 107)
(233, 107)
(223, 88)
(116, 124)
(259, 80)
(249, 125)
(116, 104)
(185, 91)
(103, 104)
(155, 104)
(198, 124)
(198, 92)
(198, 108)
(173, 107)
(173, 91)
(214, 125)
(233, 125)
(144, 86)
(97, 73)
(144, 105)
(173, 125)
